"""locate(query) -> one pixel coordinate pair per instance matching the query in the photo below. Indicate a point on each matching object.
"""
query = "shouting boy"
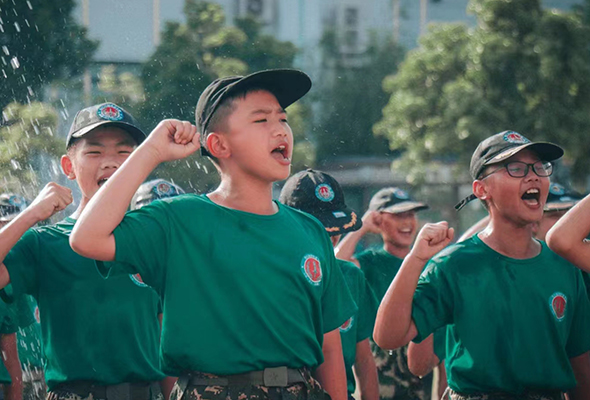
(252, 295)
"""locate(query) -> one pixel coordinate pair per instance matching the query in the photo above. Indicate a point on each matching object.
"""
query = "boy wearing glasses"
(517, 313)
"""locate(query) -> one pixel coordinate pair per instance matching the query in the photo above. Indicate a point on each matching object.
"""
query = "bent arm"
(421, 357)
(567, 236)
(331, 374)
(14, 391)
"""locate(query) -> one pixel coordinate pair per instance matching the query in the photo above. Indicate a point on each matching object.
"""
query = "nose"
(110, 161)
(531, 175)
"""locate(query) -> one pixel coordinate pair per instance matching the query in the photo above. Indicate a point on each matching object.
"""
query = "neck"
(249, 195)
(510, 239)
(76, 214)
(396, 251)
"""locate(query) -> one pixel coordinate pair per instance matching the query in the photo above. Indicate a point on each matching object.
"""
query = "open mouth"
(101, 181)
(280, 153)
(532, 197)
(405, 231)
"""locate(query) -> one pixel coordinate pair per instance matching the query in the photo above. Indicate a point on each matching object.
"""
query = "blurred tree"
(520, 68)
(352, 101)
(27, 143)
(40, 42)
(123, 88)
(193, 54)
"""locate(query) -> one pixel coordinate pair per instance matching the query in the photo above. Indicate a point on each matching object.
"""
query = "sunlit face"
(549, 219)
(96, 156)
(519, 200)
(398, 229)
(260, 138)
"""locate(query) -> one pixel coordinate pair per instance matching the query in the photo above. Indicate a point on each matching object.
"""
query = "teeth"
(282, 147)
(532, 191)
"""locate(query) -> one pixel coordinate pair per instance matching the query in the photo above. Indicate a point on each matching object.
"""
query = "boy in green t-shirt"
(252, 294)
(392, 215)
(28, 336)
(320, 195)
(100, 337)
(517, 313)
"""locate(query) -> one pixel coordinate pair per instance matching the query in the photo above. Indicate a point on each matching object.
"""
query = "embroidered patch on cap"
(163, 189)
(339, 214)
(324, 192)
(558, 303)
(137, 280)
(556, 189)
(347, 325)
(110, 112)
(515, 137)
(401, 194)
(310, 265)
(16, 201)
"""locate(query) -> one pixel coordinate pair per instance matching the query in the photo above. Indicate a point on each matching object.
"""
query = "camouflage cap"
(154, 190)
(11, 205)
(560, 198)
(100, 115)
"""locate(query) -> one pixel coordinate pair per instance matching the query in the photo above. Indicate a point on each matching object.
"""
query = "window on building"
(351, 17)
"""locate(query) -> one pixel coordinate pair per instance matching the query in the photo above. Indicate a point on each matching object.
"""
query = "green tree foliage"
(353, 99)
(39, 42)
(26, 143)
(520, 68)
(193, 54)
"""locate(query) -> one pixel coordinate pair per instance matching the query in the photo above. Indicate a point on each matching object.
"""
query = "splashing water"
(14, 62)
(17, 27)
(5, 50)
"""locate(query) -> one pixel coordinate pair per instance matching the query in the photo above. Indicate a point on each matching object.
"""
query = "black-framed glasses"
(519, 169)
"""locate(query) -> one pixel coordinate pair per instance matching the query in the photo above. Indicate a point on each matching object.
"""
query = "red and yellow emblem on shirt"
(310, 265)
(558, 303)
(137, 280)
(347, 325)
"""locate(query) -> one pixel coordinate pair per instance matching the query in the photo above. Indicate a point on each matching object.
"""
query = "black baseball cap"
(500, 147)
(320, 195)
(394, 200)
(288, 86)
(104, 114)
(11, 205)
(154, 190)
(560, 198)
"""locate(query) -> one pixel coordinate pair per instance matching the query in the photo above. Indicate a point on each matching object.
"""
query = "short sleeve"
(439, 343)
(432, 305)
(367, 305)
(337, 302)
(9, 318)
(24, 311)
(21, 263)
(578, 341)
(142, 244)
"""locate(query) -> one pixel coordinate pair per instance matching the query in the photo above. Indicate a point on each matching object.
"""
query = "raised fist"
(172, 140)
(52, 199)
(431, 239)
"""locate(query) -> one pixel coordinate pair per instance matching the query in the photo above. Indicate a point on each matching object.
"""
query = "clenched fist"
(52, 199)
(431, 239)
(172, 140)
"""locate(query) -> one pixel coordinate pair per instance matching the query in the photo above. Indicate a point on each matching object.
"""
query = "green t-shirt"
(241, 292)
(513, 324)
(30, 349)
(380, 268)
(8, 325)
(92, 328)
(360, 325)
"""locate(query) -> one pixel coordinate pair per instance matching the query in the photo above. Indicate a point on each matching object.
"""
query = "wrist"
(30, 216)
(418, 258)
(149, 153)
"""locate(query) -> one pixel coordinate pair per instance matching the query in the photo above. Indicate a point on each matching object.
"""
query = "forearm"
(346, 248)
(92, 234)
(366, 371)
(14, 391)
(581, 367)
(567, 236)
(394, 318)
(421, 357)
(331, 374)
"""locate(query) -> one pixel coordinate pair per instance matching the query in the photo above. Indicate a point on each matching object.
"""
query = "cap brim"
(137, 134)
(405, 207)
(546, 151)
(288, 85)
(340, 221)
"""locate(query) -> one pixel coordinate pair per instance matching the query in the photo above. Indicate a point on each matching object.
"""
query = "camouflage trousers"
(396, 382)
(551, 395)
(68, 394)
(34, 387)
(308, 390)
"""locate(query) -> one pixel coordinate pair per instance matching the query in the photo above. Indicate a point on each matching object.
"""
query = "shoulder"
(555, 260)
(304, 220)
(457, 255)
(350, 269)
(367, 255)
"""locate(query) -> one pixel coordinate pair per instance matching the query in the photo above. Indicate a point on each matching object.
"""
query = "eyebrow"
(121, 143)
(267, 111)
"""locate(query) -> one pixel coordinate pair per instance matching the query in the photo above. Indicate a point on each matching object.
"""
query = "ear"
(377, 219)
(68, 167)
(480, 190)
(218, 146)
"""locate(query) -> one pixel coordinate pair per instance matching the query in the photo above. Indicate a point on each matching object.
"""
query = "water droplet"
(5, 50)
(15, 164)
(4, 73)
(17, 26)
(29, 4)
(30, 91)
(14, 62)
